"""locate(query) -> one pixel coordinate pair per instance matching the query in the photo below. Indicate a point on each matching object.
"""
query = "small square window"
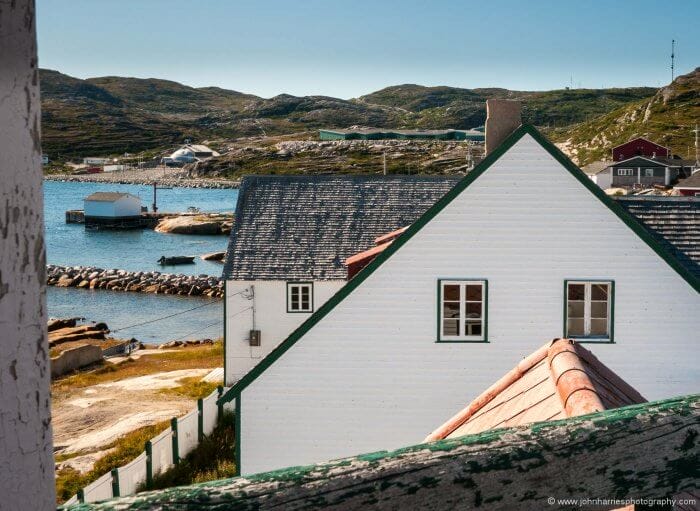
(589, 310)
(462, 311)
(300, 297)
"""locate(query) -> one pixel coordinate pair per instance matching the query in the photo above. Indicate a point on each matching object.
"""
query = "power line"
(165, 317)
(213, 324)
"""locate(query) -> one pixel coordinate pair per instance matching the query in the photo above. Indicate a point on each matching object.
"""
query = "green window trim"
(610, 339)
(441, 338)
(311, 297)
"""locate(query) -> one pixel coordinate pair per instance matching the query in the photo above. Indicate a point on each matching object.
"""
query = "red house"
(640, 147)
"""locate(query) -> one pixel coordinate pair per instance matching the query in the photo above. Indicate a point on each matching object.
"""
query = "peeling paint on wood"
(605, 455)
(26, 459)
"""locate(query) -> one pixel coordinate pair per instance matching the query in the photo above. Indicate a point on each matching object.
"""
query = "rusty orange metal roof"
(356, 262)
(561, 379)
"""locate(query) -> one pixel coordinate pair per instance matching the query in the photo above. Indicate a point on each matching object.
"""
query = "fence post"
(200, 420)
(149, 464)
(81, 496)
(115, 482)
(176, 447)
(220, 412)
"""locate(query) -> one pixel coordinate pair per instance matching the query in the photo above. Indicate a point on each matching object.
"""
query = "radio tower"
(673, 55)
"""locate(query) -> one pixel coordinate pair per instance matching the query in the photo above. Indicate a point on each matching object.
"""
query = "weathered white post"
(26, 459)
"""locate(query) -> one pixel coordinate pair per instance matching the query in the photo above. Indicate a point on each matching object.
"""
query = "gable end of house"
(235, 391)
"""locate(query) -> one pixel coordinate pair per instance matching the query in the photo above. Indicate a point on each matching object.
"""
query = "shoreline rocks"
(178, 183)
(90, 277)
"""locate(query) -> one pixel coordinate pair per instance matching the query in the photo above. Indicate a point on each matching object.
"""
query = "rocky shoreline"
(144, 180)
(90, 277)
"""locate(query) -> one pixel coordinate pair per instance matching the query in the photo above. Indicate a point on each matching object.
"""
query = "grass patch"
(126, 448)
(213, 459)
(207, 356)
(192, 387)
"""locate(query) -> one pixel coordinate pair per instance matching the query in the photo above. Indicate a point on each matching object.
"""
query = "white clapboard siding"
(271, 318)
(369, 375)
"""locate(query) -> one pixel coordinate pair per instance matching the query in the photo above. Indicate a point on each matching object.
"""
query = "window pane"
(575, 327)
(474, 292)
(305, 305)
(599, 292)
(577, 291)
(295, 291)
(599, 327)
(450, 292)
(450, 310)
(473, 310)
(599, 309)
(575, 309)
(305, 292)
(450, 327)
(472, 328)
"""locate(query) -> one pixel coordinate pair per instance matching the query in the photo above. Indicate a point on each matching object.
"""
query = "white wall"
(126, 206)
(603, 179)
(271, 318)
(369, 376)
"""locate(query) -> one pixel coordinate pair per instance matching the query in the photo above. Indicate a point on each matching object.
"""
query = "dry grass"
(192, 387)
(207, 356)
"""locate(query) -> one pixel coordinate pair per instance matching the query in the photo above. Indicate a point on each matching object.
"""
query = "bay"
(137, 250)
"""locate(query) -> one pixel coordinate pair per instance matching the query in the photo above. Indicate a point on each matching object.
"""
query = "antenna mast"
(697, 148)
(673, 55)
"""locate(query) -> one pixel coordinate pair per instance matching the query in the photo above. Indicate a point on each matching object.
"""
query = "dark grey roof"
(673, 221)
(304, 227)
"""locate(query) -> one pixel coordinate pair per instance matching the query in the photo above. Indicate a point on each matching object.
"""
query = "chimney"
(502, 119)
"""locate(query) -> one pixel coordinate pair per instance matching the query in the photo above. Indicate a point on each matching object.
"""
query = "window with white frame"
(589, 309)
(300, 297)
(648, 172)
(625, 172)
(462, 310)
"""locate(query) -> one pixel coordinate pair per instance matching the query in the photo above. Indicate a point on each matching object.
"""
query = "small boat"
(176, 260)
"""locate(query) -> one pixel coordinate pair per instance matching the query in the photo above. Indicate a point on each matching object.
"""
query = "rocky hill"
(112, 115)
(668, 118)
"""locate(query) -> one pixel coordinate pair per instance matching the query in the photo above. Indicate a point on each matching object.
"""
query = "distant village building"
(689, 186)
(453, 301)
(189, 153)
(641, 163)
(96, 161)
(110, 208)
(475, 135)
(640, 147)
(44, 159)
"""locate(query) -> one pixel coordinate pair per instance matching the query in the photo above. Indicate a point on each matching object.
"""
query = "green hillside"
(113, 115)
(668, 118)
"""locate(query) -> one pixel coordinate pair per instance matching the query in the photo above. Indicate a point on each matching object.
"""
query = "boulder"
(214, 256)
(188, 225)
(65, 281)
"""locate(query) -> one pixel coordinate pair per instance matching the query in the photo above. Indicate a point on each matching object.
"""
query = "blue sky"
(353, 47)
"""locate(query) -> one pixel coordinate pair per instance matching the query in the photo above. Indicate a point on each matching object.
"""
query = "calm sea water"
(137, 250)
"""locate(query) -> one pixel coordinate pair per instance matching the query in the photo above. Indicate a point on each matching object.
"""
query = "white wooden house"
(111, 206)
(289, 243)
(525, 248)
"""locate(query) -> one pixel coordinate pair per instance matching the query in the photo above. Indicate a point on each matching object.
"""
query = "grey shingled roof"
(673, 221)
(304, 227)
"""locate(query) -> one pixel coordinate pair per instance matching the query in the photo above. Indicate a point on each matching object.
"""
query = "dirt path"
(88, 419)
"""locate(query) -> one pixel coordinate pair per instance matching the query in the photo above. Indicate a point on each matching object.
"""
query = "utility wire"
(211, 325)
(166, 317)
(176, 313)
